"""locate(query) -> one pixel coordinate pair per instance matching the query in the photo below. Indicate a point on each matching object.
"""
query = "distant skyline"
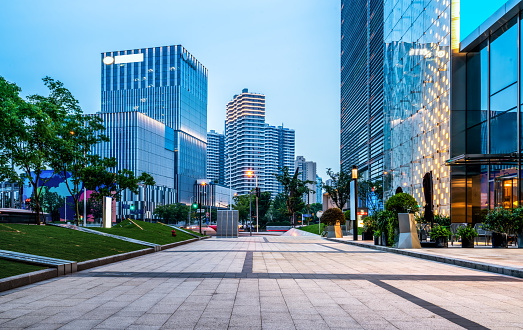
(288, 51)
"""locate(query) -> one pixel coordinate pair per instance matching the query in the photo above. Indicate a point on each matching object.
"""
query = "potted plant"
(333, 218)
(377, 237)
(517, 220)
(440, 235)
(467, 234)
(385, 224)
(500, 222)
(369, 226)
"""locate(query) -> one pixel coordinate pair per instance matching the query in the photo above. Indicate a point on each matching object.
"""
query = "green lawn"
(152, 232)
(61, 243)
(312, 228)
(12, 268)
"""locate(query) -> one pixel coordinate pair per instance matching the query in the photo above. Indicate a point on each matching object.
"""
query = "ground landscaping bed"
(11, 268)
(149, 232)
(60, 243)
(313, 228)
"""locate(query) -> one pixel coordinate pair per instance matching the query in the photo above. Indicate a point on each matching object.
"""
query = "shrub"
(333, 215)
(499, 220)
(370, 223)
(439, 231)
(402, 203)
(517, 219)
(467, 232)
(386, 222)
(442, 220)
(346, 214)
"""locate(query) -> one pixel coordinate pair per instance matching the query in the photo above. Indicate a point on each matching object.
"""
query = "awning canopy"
(484, 159)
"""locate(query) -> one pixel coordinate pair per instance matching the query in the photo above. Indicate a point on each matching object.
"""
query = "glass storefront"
(486, 137)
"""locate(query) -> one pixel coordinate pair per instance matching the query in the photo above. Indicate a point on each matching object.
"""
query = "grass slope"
(312, 228)
(61, 243)
(152, 232)
(11, 268)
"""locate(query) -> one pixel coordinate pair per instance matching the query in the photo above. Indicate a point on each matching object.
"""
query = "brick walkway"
(269, 283)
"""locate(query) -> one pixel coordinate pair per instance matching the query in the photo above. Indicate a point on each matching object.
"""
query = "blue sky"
(475, 12)
(288, 50)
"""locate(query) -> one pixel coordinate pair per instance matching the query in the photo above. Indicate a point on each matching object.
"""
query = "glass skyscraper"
(417, 70)
(216, 158)
(169, 85)
(140, 144)
(361, 102)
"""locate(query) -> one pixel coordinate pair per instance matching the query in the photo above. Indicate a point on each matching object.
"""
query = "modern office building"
(253, 145)
(169, 85)
(216, 157)
(486, 122)
(307, 171)
(417, 97)
(140, 144)
(361, 102)
(319, 190)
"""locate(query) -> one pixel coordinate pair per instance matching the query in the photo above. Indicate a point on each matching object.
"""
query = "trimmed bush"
(442, 220)
(499, 220)
(333, 215)
(370, 223)
(402, 203)
(439, 231)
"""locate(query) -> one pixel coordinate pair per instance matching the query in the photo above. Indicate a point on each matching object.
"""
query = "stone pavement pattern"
(268, 283)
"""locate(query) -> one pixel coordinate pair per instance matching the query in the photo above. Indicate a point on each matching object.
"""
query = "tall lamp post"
(354, 202)
(251, 173)
(200, 204)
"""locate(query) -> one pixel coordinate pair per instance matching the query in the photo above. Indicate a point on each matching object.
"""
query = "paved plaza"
(269, 283)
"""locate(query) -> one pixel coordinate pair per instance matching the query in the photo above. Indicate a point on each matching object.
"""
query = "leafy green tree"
(293, 190)
(51, 203)
(172, 212)
(339, 190)
(241, 204)
(104, 182)
(29, 132)
(278, 210)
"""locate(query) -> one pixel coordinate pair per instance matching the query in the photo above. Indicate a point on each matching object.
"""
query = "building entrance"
(505, 192)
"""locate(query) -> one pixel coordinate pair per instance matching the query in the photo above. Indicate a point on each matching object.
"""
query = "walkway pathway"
(269, 283)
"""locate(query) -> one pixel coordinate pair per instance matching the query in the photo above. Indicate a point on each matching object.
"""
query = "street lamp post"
(251, 173)
(200, 205)
(355, 211)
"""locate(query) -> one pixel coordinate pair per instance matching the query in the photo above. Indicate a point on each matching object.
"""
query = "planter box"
(520, 240)
(467, 243)
(442, 242)
(377, 240)
(499, 240)
(334, 232)
(367, 235)
(384, 239)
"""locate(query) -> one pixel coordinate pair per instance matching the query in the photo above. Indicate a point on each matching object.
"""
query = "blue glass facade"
(486, 118)
(361, 97)
(169, 85)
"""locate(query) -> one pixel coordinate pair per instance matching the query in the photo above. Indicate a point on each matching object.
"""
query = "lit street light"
(250, 174)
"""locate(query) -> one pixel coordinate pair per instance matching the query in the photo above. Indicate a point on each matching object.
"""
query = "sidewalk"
(502, 261)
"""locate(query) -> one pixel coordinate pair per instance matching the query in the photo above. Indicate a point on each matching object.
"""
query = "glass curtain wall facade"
(307, 170)
(279, 153)
(140, 144)
(487, 122)
(416, 90)
(361, 99)
(169, 85)
(216, 157)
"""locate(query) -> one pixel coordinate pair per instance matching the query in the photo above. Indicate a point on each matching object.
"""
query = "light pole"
(230, 182)
(251, 173)
(355, 211)
(200, 205)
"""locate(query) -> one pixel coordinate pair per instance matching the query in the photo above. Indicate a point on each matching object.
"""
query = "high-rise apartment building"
(361, 102)
(216, 157)
(253, 145)
(169, 85)
(417, 96)
(307, 171)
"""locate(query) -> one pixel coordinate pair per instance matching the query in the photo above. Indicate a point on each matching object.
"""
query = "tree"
(172, 212)
(29, 132)
(278, 209)
(103, 182)
(293, 190)
(51, 203)
(241, 204)
(76, 137)
(339, 190)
